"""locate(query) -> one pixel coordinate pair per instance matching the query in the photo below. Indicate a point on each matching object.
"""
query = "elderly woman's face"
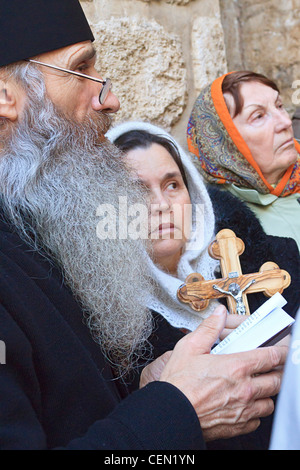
(266, 127)
(168, 227)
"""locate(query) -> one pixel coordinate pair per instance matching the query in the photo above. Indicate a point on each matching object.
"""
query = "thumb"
(209, 331)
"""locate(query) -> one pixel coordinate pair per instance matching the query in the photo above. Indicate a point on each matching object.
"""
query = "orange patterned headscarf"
(222, 155)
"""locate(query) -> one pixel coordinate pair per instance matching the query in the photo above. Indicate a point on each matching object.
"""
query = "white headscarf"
(195, 258)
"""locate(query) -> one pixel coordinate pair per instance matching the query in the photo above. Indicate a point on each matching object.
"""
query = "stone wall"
(264, 35)
(161, 53)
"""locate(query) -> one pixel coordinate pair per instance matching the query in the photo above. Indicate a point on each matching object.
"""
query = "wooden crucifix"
(197, 292)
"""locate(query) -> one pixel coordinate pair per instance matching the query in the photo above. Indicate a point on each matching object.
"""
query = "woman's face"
(266, 127)
(168, 224)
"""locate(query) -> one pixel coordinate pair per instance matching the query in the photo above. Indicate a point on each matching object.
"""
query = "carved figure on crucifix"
(237, 293)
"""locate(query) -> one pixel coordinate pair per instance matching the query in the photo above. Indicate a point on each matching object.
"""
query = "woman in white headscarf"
(174, 184)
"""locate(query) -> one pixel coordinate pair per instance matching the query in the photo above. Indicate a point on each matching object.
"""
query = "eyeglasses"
(106, 84)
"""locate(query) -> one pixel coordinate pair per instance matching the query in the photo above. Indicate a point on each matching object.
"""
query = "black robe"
(56, 388)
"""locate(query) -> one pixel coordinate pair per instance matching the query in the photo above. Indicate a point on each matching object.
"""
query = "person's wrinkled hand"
(153, 370)
(230, 393)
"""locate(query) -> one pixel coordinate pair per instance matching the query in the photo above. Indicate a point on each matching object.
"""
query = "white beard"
(53, 176)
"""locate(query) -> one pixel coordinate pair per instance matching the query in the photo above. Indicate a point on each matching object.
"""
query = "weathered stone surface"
(172, 2)
(145, 47)
(208, 50)
(143, 40)
(148, 72)
(269, 37)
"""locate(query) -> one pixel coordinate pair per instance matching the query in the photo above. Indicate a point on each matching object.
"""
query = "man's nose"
(110, 105)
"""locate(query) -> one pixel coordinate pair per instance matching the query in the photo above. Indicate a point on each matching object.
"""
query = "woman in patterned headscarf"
(242, 139)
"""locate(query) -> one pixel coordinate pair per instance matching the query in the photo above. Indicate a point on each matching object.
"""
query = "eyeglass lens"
(104, 90)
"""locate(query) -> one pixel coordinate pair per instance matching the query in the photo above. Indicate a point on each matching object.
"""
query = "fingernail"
(220, 310)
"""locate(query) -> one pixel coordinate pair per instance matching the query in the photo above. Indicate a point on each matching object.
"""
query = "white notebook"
(266, 326)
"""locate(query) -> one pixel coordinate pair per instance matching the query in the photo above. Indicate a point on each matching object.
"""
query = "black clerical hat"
(31, 27)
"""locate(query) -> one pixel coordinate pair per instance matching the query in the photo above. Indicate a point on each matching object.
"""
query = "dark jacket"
(234, 214)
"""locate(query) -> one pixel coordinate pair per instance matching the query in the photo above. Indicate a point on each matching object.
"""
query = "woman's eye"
(258, 116)
(172, 185)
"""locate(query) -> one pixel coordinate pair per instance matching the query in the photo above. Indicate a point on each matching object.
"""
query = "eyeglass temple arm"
(66, 70)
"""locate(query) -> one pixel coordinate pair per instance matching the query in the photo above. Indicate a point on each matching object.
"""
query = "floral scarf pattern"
(221, 154)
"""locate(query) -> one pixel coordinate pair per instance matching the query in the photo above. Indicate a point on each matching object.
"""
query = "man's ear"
(8, 101)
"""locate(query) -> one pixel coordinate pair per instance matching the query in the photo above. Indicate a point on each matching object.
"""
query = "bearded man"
(72, 312)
